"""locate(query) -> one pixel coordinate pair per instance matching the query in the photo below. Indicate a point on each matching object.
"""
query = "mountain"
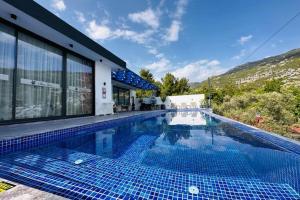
(285, 66)
(194, 84)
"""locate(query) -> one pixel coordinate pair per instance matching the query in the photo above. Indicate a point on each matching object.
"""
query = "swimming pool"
(175, 155)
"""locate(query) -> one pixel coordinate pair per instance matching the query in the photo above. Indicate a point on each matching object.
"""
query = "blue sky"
(189, 38)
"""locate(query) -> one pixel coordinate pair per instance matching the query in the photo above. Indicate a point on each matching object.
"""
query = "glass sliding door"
(7, 64)
(39, 79)
(121, 96)
(79, 86)
(127, 97)
(116, 95)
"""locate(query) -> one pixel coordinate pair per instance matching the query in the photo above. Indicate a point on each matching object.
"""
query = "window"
(39, 79)
(121, 96)
(79, 86)
(7, 64)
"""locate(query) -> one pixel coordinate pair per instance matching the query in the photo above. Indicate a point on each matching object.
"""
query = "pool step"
(65, 154)
(134, 152)
(53, 184)
(78, 190)
(212, 186)
(125, 178)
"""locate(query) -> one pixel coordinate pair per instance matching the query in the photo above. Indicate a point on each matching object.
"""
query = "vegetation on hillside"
(285, 66)
(264, 93)
(273, 106)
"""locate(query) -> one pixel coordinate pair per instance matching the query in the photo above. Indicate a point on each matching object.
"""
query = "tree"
(148, 76)
(173, 86)
(168, 85)
(182, 86)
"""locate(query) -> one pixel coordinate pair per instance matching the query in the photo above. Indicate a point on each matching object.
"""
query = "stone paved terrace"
(22, 192)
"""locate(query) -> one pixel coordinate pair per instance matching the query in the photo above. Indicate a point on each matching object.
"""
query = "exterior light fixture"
(13, 16)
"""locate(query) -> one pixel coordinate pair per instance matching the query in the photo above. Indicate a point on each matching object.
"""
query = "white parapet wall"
(185, 101)
(103, 89)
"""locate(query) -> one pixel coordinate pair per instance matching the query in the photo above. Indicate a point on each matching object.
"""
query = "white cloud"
(140, 38)
(160, 55)
(98, 32)
(213, 63)
(159, 66)
(80, 17)
(103, 31)
(59, 5)
(172, 33)
(153, 51)
(244, 39)
(240, 55)
(199, 70)
(180, 9)
(148, 17)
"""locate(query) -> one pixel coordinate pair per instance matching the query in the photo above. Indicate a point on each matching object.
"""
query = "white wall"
(178, 101)
(103, 74)
(186, 118)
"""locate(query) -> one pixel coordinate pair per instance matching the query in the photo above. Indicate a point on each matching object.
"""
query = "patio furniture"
(193, 105)
(183, 106)
(173, 106)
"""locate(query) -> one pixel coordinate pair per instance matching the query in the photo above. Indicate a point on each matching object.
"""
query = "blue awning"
(130, 78)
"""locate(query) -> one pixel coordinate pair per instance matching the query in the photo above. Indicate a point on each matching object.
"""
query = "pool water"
(190, 146)
(191, 143)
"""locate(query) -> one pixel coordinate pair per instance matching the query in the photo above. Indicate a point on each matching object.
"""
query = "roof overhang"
(122, 85)
(131, 79)
(34, 18)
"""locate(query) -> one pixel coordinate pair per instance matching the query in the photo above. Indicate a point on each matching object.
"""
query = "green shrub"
(279, 109)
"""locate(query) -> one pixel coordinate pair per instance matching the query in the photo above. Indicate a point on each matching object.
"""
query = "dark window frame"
(17, 30)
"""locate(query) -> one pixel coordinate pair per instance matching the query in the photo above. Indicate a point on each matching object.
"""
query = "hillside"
(284, 66)
(194, 84)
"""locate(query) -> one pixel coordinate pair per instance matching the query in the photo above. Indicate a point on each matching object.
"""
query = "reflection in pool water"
(191, 142)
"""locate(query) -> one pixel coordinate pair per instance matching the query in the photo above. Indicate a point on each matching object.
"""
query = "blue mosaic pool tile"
(129, 177)
(124, 178)
(49, 183)
(134, 151)
(216, 163)
(27, 142)
(65, 154)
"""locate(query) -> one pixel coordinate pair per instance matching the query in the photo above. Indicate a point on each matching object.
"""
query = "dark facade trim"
(64, 85)
(14, 93)
(43, 15)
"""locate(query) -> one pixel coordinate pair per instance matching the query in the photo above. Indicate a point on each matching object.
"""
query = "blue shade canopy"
(130, 78)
